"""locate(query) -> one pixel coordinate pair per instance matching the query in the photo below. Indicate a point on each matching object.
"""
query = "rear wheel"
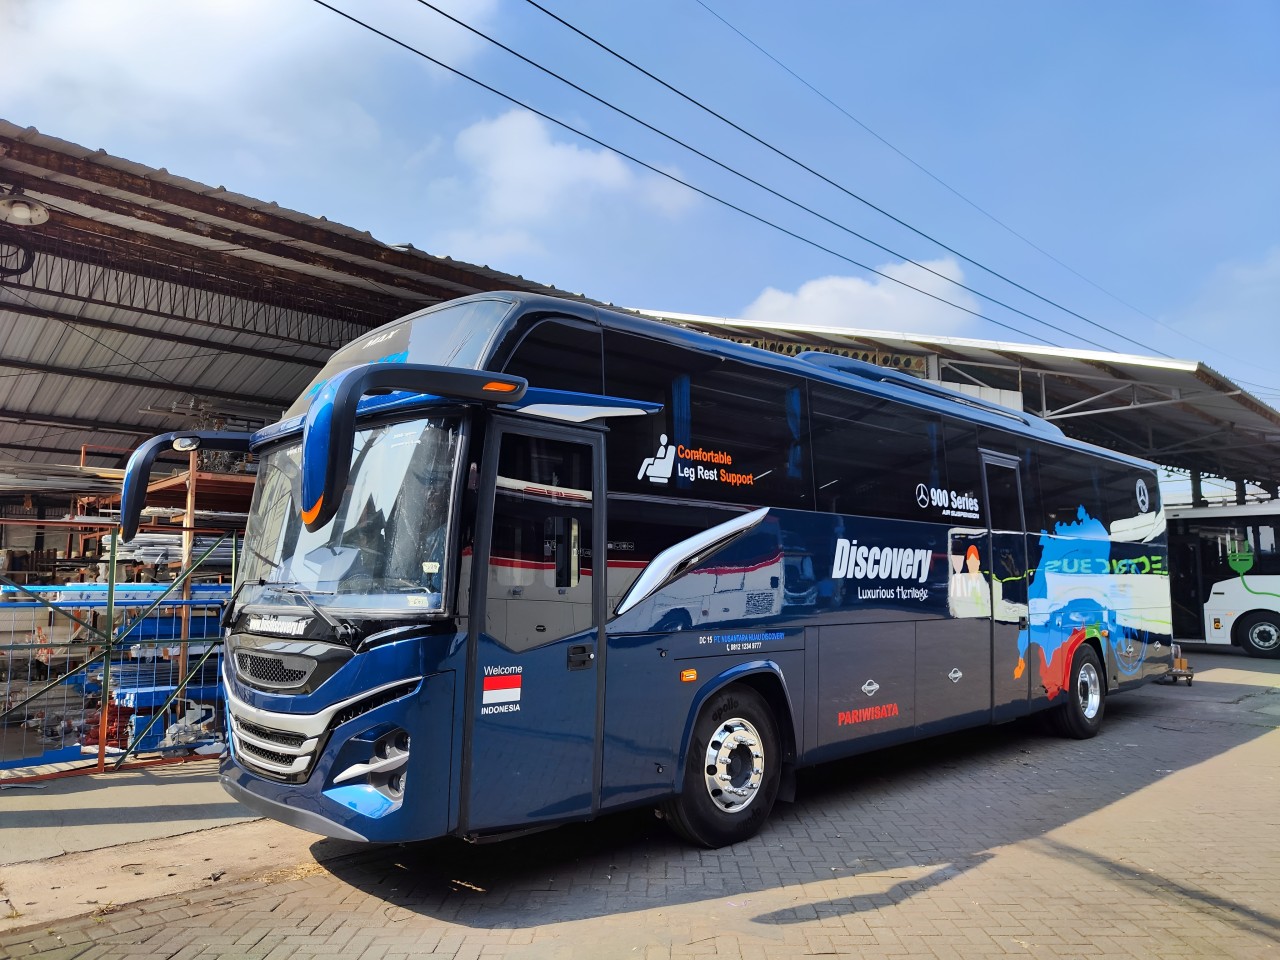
(1259, 634)
(1081, 716)
(732, 771)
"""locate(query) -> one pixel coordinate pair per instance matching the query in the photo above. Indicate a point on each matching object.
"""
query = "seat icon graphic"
(658, 467)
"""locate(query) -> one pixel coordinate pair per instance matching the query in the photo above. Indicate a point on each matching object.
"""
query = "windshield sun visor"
(329, 428)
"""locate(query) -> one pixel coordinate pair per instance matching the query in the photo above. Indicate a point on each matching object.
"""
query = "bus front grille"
(284, 746)
(279, 754)
(270, 670)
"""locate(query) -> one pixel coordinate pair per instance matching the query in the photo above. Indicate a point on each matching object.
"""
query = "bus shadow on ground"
(932, 809)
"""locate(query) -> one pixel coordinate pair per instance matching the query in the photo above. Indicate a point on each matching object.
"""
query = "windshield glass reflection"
(383, 553)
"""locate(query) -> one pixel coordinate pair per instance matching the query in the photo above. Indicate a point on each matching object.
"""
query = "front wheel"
(1259, 634)
(1081, 716)
(732, 771)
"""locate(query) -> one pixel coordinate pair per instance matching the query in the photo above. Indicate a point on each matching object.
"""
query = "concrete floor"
(1158, 839)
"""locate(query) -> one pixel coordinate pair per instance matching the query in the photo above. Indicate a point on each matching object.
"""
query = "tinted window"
(1233, 545)
(560, 355)
(1004, 498)
(728, 431)
(876, 458)
(639, 530)
(1071, 491)
(1132, 495)
(964, 475)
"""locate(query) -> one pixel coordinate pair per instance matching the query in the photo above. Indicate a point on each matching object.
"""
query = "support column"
(1197, 496)
(188, 549)
(1240, 492)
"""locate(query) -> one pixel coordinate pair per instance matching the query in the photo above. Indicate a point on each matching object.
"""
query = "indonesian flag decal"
(505, 689)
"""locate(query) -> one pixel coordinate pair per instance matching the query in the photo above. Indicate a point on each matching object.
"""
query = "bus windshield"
(383, 553)
(455, 335)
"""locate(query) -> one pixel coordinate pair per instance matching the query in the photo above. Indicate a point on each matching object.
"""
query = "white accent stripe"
(502, 696)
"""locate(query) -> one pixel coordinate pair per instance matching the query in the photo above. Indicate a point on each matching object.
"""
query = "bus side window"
(870, 456)
(1071, 493)
(560, 355)
(728, 431)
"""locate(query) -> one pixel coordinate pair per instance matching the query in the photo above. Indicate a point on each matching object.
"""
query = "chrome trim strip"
(671, 562)
(373, 766)
(309, 725)
(299, 765)
(306, 747)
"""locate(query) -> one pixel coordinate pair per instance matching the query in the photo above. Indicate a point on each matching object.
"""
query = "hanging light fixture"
(20, 210)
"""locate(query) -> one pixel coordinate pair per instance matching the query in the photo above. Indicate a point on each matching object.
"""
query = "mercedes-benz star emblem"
(922, 495)
(1144, 498)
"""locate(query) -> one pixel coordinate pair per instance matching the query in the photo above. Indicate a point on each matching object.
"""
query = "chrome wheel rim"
(734, 765)
(1089, 691)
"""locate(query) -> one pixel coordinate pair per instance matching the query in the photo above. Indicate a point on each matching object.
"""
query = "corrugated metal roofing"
(154, 302)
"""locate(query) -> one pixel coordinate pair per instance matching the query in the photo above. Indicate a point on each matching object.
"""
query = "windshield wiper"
(231, 602)
(346, 632)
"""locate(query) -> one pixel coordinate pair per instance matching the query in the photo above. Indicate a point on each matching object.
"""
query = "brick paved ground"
(1161, 838)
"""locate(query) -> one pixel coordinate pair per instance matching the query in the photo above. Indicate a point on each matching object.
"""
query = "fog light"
(384, 771)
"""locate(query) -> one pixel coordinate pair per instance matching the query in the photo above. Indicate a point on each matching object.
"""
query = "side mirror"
(329, 430)
(133, 493)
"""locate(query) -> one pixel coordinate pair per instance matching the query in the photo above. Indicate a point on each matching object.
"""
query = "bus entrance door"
(1007, 571)
(531, 751)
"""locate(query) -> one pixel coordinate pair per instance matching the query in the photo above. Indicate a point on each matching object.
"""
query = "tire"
(735, 737)
(1081, 716)
(1259, 634)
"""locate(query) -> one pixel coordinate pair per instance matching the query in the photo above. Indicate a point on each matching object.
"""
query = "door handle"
(580, 656)
(1023, 623)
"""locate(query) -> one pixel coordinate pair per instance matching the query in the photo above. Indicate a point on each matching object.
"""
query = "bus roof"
(1223, 511)
(828, 368)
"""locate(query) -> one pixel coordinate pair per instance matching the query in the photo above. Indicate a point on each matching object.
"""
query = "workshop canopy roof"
(1178, 413)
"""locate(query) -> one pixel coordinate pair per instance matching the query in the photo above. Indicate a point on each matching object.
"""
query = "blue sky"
(1137, 143)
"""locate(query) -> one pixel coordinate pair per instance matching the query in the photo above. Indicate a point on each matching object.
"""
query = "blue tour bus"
(514, 561)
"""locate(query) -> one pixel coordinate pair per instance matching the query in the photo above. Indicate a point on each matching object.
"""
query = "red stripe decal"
(511, 681)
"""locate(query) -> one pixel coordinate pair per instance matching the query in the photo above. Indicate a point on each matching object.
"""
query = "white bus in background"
(1225, 575)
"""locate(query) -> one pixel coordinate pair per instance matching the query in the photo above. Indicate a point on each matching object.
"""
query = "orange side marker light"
(688, 676)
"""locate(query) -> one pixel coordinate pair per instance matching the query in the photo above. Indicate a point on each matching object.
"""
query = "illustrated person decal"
(968, 593)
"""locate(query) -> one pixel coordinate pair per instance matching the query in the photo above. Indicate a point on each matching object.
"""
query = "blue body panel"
(430, 712)
(532, 765)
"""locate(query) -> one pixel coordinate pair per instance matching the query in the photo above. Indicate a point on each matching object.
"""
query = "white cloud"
(521, 185)
(267, 75)
(524, 176)
(878, 303)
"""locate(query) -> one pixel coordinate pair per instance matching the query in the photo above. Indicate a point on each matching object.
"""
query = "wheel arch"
(1237, 636)
(764, 677)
